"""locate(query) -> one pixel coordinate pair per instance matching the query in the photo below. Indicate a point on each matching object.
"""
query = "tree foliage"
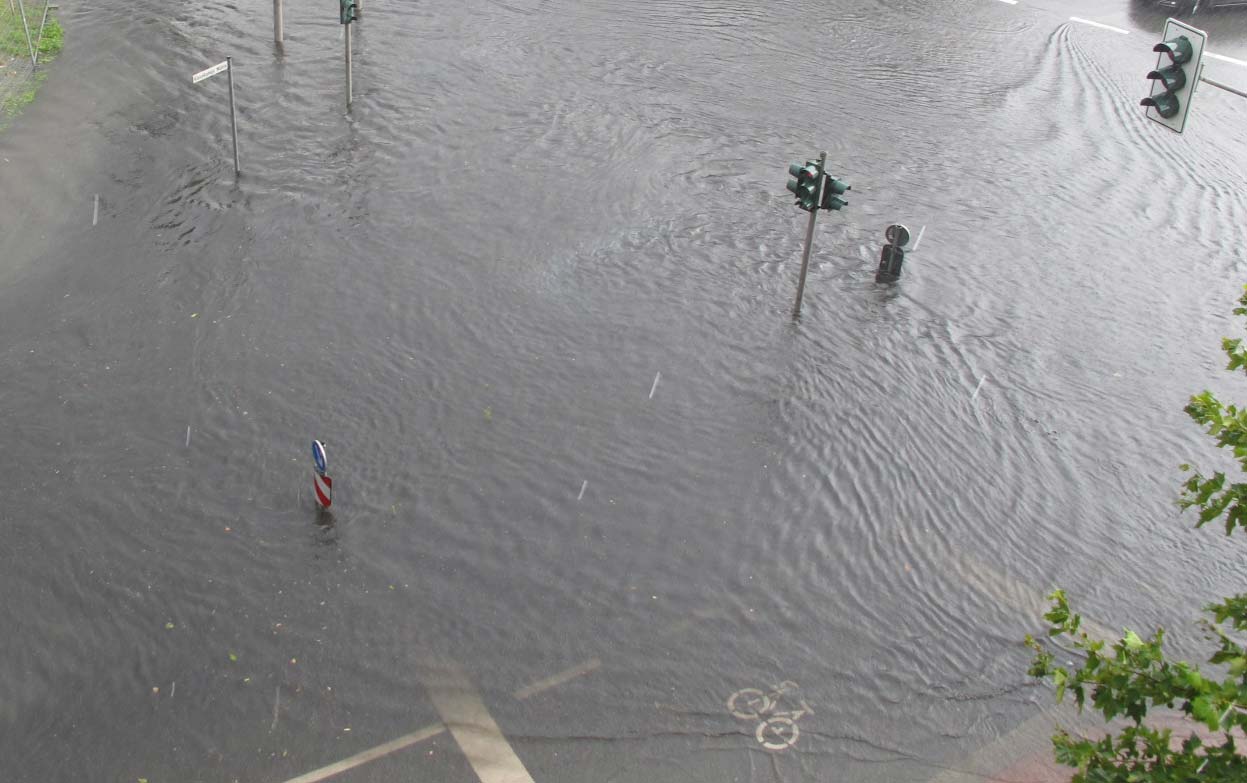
(1129, 677)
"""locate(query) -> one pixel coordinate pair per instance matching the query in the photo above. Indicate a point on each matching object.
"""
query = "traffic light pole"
(809, 237)
(347, 36)
(278, 35)
(233, 117)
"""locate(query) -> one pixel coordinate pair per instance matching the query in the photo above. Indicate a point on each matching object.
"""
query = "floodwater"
(534, 293)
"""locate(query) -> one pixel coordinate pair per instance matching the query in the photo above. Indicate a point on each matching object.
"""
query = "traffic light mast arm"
(1221, 86)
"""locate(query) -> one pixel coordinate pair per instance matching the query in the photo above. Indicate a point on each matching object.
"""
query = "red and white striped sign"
(324, 489)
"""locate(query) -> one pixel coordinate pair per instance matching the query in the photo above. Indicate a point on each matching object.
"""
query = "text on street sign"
(213, 71)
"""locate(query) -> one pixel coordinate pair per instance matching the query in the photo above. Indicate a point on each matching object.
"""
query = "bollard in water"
(893, 256)
(322, 485)
(890, 262)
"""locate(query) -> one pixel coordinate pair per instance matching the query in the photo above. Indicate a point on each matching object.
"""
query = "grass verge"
(17, 82)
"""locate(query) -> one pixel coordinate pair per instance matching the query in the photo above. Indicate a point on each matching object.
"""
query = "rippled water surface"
(534, 293)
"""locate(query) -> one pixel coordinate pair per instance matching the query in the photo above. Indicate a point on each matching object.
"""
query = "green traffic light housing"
(833, 189)
(1176, 74)
(347, 11)
(805, 186)
(1165, 104)
(1171, 79)
(1179, 49)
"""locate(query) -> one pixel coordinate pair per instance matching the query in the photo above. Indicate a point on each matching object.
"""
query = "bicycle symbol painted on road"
(777, 728)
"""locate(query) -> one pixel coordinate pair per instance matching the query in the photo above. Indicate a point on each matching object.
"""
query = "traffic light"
(1177, 70)
(805, 186)
(347, 11)
(833, 189)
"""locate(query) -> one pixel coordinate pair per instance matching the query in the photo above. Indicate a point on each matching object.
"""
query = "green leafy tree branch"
(1129, 677)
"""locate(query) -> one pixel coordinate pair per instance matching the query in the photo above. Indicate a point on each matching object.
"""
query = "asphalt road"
(595, 489)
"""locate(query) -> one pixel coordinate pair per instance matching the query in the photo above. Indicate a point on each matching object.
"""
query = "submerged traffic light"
(833, 189)
(805, 186)
(348, 12)
(1177, 70)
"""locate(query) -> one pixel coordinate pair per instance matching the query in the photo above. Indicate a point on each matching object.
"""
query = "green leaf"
(1058, 678)
(1203, 711)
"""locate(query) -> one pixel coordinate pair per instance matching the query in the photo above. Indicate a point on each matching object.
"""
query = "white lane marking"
(372, 754)
(677, 628)
(174, 689)
(95, 216)
(188, 436)
(1225, 59)
(567, 675)
(976, 388)
(655, 386)
(582, 489)
(918, 241)
(1010, 2)
(276, 704)
(1099, 24)
(462, 710)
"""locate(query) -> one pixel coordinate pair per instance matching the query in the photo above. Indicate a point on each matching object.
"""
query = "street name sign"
(213, 71)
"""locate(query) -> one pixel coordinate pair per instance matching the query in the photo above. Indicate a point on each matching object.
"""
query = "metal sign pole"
(39, 39)
(233, 117)
(809, 235)
(348, 66)
(1225, 87)
(33, 62)
(277, 23)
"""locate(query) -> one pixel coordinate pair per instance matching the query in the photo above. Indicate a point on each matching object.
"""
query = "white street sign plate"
(213, 71)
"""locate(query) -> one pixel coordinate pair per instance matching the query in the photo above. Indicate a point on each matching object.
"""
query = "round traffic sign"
(897, 235)
(318, 456)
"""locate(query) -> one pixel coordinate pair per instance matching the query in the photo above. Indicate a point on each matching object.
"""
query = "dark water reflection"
(469, 286)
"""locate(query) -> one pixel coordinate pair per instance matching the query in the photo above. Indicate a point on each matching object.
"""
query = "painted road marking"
(359, 759)
(976, 388)
(582, 489)
(655, 386)
(921, 231)
(1225, 59)
(462, 710)
(1099, 24)
(95, 216)
(188, 436)
(777, 728)
(567, 675)
(1212, 55)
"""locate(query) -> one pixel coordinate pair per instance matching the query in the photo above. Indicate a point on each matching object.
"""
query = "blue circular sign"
(318, 454)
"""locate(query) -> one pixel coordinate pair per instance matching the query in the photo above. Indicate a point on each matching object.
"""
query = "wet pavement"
(534, 295)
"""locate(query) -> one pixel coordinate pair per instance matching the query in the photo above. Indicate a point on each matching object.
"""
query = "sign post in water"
(322, 485)
(348, 11)
(227, 67)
